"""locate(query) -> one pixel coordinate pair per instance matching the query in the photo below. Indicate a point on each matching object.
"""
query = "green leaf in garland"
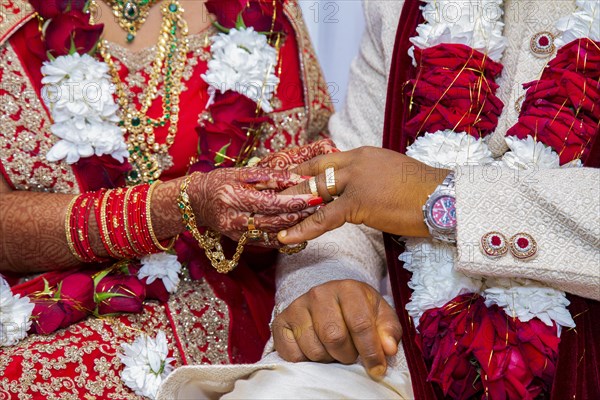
(240, 24)
(98, 277)
(100, 297)
(221, 154)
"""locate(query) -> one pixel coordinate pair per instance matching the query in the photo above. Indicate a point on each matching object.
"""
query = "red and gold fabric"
(212, 318)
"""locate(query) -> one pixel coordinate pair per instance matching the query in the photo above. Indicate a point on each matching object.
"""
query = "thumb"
(389, 328)
(325, 219)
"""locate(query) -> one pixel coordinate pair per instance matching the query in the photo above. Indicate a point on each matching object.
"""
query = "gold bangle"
(68, 229)
(108, 244)
(211, 240)
(155, 240)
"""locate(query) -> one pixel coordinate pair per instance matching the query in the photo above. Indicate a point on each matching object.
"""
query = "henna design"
(223, 200)
(288, 159)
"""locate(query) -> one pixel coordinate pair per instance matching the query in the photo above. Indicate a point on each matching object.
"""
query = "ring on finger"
(312, 184)
(330, 181)
(253, 233)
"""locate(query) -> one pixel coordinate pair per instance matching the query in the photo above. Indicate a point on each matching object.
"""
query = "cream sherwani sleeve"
(559, 208)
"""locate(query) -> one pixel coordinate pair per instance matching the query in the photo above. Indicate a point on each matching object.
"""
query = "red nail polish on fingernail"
(317, 201)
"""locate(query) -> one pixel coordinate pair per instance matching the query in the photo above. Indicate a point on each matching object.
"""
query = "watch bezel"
(432, 219)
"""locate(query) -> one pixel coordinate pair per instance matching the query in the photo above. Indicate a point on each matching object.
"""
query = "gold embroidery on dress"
(201, 323)
(286, 129)
(25, 136)
(90, 348)
(13, 15)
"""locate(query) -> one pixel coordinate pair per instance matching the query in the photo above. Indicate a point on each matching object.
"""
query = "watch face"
(443, 212)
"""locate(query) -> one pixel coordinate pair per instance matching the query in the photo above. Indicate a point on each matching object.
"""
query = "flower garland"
(461, 318)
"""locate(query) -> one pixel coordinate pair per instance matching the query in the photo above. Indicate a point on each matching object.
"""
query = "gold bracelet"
(149, 219)
(68, 229)
(211, 240)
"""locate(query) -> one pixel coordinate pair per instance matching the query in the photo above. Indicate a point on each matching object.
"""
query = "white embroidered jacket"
(559, 208)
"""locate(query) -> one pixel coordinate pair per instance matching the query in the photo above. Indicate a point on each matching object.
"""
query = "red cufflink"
(523, 246)
(493, 244)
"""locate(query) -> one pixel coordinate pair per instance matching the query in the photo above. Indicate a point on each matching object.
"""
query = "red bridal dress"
(212, 318)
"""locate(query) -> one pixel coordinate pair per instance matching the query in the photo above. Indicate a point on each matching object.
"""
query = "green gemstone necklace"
(147, 157)
(131, 14)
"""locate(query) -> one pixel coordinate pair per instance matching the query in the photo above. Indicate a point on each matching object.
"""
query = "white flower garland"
(79, 94)
(15, 315)
(146, 364)
(243, 61)
(434, 280)
(474, 23)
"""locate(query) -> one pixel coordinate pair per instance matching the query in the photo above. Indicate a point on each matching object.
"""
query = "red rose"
(101, 172)
(47, 316)
(256, 13)
(454, 89)
(48, 9)
(73, 302)
(120, 294)
(232, 115)
(71, 28)
(444, 338)
(76, 297)
(581, 55)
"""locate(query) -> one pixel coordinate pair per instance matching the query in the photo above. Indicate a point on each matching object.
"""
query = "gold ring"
(293, 249)
(253, 233)
(330, 181)
(312, 184)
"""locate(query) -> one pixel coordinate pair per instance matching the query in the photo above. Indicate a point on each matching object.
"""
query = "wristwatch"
(439, 211)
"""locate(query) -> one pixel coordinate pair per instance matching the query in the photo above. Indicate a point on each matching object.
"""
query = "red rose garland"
(561, 109)
(454, 89)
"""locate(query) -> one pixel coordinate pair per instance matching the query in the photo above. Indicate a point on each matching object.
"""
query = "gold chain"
(147, 157)
(131, 14)
(211, 240)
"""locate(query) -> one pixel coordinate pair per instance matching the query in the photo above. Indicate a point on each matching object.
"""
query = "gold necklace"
(131, 14)
(148, 158)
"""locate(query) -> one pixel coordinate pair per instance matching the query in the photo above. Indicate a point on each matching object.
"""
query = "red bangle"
(78, 228)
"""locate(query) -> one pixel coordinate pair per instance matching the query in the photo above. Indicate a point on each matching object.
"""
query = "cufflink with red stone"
(523, 246)
(493, 244)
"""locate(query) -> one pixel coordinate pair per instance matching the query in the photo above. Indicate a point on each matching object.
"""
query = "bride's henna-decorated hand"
(224, 199)
(288, 159)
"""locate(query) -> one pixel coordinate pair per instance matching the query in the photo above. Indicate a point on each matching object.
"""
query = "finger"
(307, 338)
(319, 164)
(323, 220)
(285, 342)
(361, 320)
(342, 177)
(266, 178)
(275, 223)
(331, 327)
(389, 329)
(268, 203)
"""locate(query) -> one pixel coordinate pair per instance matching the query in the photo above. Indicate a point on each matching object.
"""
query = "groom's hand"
(338, 321)
(379, 188)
